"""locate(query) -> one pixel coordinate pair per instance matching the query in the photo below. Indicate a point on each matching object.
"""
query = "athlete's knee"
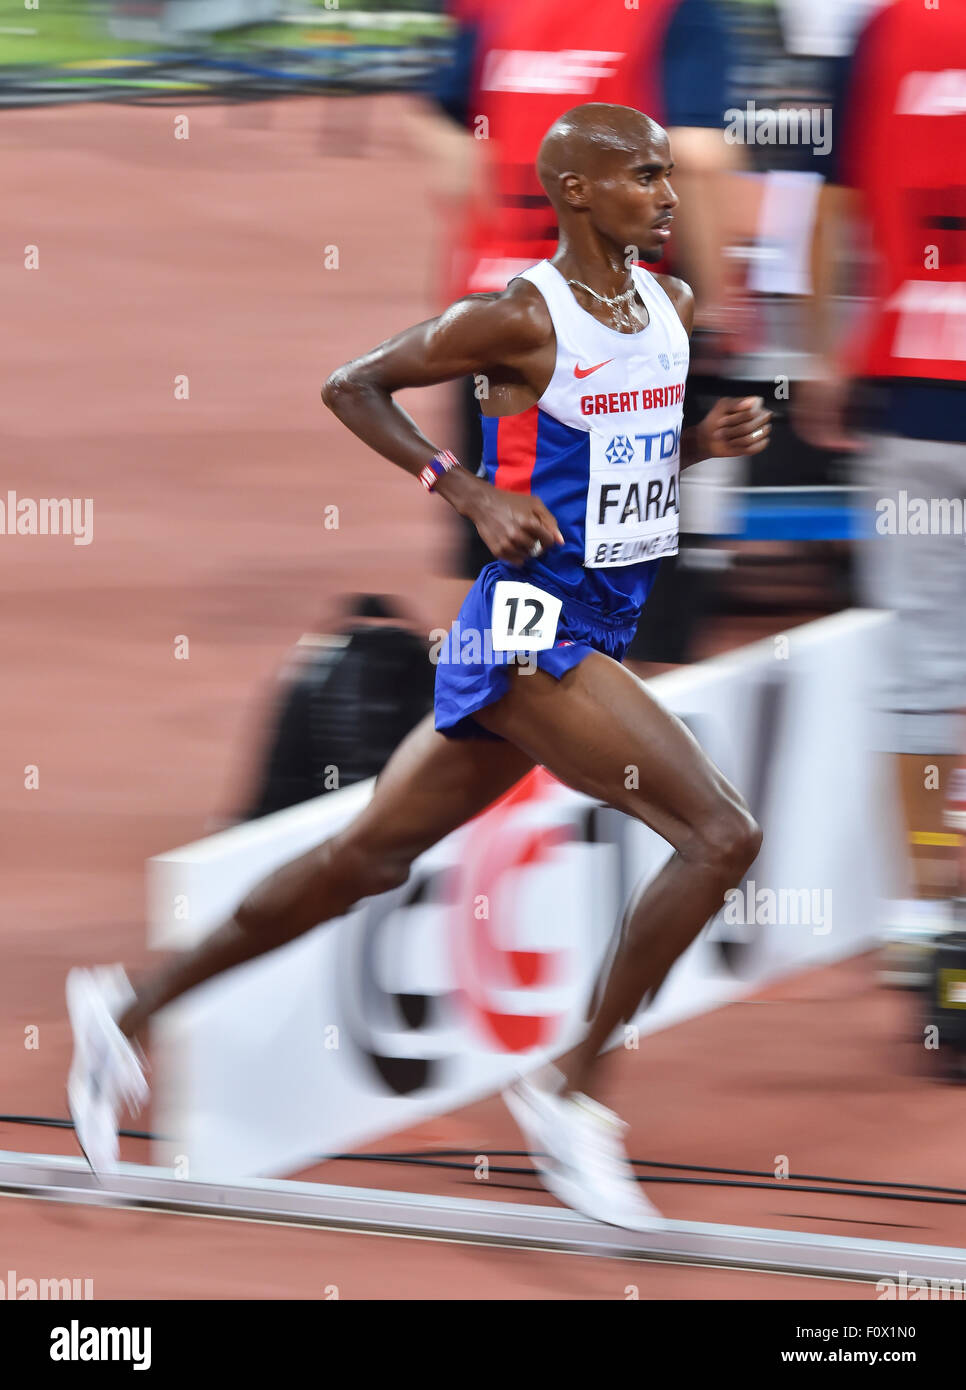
(726, 841)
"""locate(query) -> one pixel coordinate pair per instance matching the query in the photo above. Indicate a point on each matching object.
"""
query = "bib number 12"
(524, 618)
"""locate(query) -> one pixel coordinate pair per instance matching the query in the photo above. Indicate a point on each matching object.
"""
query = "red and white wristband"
(439, 464)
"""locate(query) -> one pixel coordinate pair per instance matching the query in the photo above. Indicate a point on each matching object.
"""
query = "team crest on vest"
(620, 449)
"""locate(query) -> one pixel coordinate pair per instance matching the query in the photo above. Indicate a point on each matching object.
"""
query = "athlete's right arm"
(474, 335)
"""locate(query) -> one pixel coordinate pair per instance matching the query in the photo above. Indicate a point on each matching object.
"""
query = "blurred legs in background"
(915, 564)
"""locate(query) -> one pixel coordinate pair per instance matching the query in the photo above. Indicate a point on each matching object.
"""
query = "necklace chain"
(613, 301)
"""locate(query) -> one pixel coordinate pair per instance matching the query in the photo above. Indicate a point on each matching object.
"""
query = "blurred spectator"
(899, 187)
(348, 699)
(823, 28)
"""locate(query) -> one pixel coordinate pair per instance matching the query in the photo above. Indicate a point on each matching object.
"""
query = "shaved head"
(576, 141)
(606, 170)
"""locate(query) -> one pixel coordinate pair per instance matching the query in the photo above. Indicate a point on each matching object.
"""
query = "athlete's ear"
(574, 189)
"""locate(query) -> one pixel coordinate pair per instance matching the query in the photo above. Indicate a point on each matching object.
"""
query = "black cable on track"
(907, 1191)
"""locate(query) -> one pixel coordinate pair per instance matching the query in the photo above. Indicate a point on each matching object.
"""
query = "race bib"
(524, 618)
(632, 498)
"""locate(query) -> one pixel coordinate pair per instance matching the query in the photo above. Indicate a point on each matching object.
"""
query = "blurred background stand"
(348, 699)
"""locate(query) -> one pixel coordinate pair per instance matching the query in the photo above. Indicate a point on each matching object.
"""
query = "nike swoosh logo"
(580, 372)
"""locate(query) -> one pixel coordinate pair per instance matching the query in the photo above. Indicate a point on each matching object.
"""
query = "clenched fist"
(513, 526)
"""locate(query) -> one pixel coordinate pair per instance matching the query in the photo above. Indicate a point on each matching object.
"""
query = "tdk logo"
(669, 446)
(619, 450)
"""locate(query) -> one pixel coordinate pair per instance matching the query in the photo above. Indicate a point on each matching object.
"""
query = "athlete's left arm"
(733, 426)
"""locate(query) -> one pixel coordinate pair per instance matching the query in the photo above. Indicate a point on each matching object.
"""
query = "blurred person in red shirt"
(518, 67)
(899, 186)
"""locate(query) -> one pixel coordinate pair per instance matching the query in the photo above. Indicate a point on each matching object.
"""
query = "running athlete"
(585, 357)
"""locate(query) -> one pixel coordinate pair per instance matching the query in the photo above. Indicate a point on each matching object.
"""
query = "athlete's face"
(634, 202)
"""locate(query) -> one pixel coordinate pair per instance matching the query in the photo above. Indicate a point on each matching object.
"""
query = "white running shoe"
(107, 1070)
(577, 1147)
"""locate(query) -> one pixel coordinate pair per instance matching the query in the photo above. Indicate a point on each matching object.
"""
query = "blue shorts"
(470, 675)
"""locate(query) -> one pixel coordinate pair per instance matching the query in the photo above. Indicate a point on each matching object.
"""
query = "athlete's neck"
(601, 267)
(600, 279)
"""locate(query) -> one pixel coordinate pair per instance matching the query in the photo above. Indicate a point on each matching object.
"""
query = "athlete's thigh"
(431, 786)
(601, 731)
